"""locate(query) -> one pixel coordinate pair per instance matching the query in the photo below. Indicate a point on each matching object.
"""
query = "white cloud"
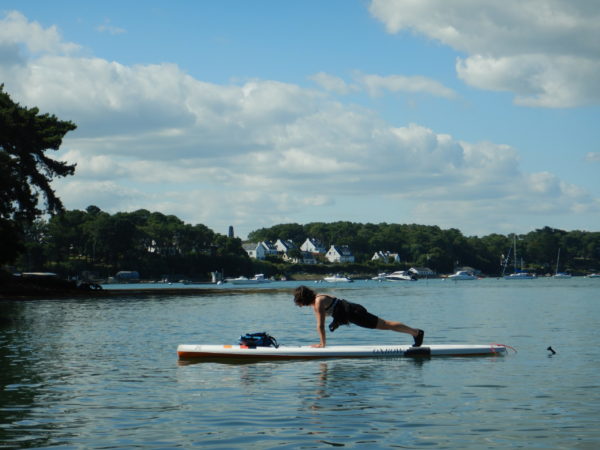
(592, 156)
(537, 80)
(547, 52)
(261, 152)
(106, 27)
(376, 84)
(17, 31)
(332, 83)
(108, 195)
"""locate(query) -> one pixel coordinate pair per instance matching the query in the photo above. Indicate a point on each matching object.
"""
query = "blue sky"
(468, 114)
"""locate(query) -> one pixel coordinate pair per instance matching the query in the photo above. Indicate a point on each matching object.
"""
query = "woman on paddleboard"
(344, 313)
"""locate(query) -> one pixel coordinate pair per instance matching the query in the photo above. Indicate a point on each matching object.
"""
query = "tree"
(25, 171)
(66, 235)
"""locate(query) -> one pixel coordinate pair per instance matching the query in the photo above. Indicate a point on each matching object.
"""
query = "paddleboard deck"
(212, 352)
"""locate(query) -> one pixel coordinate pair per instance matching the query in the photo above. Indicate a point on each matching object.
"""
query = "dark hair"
(304, 296)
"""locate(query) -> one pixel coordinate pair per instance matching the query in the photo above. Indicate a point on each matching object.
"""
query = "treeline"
(156, 245)
(445, 250)
(76, 242)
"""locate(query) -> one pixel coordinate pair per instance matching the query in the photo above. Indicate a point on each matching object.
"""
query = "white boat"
(593, 275)
(380, 277)
(561, 275)
(520, 276)
(401, 275)
(517, 275)
(256, 279)
(558, 274)
(462, 275)
(337, 278)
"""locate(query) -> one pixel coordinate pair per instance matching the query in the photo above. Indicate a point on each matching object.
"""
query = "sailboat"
(517, 274)
(558, 274)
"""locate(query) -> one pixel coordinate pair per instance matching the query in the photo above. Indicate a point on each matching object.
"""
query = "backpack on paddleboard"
(253, 340)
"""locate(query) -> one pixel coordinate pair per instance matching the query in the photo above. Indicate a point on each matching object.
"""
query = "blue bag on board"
(253, 340)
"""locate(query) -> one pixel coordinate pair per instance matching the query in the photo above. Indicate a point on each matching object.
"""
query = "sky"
(480, 116)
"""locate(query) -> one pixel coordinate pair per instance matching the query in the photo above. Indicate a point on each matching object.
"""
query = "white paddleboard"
(186, 351)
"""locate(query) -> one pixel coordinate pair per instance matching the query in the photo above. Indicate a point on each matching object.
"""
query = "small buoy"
(550, 349)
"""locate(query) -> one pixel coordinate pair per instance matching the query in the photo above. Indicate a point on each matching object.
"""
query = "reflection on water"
(104, 373)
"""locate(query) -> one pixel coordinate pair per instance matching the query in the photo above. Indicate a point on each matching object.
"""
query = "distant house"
(284, 245)
(259, 250)
(312, 245)
(422, 271)
(339, 254)
(254, 250)
(387, 257)
(308, 258)
(305, 258)
(270, 248)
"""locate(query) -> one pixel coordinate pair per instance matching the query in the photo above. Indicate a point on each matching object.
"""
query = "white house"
(386, 256)
(270, 248)
(254, 250)
(284, 245)
(340, 254)
(312, 245)
(305, 258)
(260, 250)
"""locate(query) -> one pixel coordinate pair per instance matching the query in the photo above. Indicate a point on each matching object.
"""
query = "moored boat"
(401, 275)
(337, 278)
(558, 274)
(517, 274)
(256, 279)
(520, 276)
(380, 276)
(462, 275)
(561, 275)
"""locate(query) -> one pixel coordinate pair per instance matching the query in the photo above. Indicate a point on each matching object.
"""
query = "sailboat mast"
(515, 251)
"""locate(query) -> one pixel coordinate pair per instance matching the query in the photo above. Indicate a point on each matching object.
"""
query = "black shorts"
(356, 314)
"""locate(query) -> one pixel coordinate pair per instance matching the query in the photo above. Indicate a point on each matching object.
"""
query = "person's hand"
(317, 346)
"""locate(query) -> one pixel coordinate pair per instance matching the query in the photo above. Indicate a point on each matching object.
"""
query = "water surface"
(104, 373)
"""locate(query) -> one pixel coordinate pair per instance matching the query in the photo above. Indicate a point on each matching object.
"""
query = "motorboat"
(593, 275)
(380, 277)
(561, 275)
(401, 275)
(337, 278)
(256, 279)
(462, 275)
(520, 276)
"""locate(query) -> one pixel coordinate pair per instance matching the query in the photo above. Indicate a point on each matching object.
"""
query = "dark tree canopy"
(25, 170)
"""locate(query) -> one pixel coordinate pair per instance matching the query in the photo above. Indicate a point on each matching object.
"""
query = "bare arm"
(319, 311)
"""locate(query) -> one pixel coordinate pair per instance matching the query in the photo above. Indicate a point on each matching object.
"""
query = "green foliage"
(152, 243)
(158, 245)
(26, 171)
(445, 250)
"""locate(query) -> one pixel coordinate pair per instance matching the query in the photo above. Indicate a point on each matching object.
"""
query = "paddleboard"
(212, 352)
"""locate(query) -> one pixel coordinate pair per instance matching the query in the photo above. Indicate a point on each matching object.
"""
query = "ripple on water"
(103, 373)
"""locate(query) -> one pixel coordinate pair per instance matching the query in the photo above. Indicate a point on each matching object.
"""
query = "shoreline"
(143, 292)
(57, 294)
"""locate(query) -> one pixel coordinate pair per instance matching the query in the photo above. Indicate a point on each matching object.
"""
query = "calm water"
(104, 373)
